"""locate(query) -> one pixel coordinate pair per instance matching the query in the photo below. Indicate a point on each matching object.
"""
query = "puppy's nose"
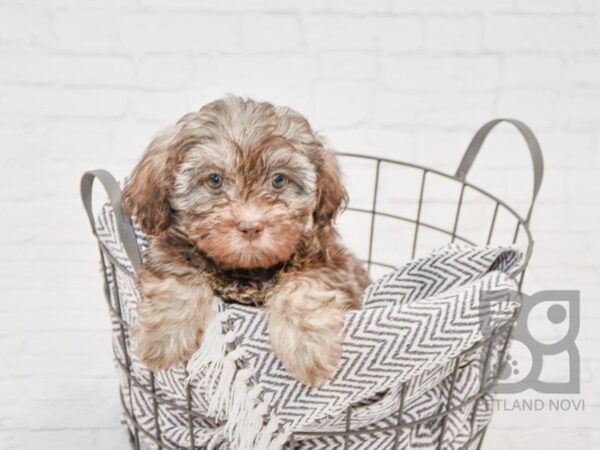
(250, 230)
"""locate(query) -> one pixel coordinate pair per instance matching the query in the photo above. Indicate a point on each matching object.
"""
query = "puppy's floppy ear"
(146, 195)
(331, 194)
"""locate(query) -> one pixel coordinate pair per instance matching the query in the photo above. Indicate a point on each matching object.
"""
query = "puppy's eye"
(214, 181)
(278, 180)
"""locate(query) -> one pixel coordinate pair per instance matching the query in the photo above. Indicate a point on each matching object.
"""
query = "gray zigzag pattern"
(375, 361)
(413, 320)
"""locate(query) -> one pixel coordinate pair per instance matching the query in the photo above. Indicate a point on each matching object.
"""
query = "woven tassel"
(232, 399)
(265, 439)
(278, 442)
(213, 367)
(209, 357)
(221, 396)
(245, 425)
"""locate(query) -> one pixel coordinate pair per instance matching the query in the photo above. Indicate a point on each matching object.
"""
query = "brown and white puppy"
(238, 200)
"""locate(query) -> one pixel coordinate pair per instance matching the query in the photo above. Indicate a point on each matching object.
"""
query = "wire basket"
(375, 212)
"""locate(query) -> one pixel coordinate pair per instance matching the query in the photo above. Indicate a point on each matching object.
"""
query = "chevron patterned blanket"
(415, 322)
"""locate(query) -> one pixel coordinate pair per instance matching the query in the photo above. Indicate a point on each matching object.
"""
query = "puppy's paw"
(158, 349)
(306, 324)
(310, 357)
(172, 318)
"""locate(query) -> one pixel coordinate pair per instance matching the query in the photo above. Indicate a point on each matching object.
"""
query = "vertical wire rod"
(188, 397)
(400, 412)
(373, 213)
(521, 278)
(493, 224)
(496, 376)
(481, 438)
(516, 232)
(117, 301)
(482, 384)
(458, 208)
(155, 409)
(348, 428)
(418, 220)
(449, 403)
(502, 353)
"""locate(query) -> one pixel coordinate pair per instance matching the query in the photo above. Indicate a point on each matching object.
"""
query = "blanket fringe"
(232, 398)
(221, 397)
(212, 366)
(210, 355)
(278, 442)
(245, 426)
(266, 439)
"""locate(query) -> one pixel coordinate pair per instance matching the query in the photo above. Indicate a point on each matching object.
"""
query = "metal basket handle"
(124, 225)
(534, 150)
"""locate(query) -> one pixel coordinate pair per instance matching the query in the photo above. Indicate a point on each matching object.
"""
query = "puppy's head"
(245, 181)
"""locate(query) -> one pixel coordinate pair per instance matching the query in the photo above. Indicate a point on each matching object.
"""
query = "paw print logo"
(510, 368)
(517, 364)
(544, 345)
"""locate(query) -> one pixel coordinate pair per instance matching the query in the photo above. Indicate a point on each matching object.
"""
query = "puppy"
(238, 201)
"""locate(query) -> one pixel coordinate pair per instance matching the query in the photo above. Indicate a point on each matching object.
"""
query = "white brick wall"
(86, 83)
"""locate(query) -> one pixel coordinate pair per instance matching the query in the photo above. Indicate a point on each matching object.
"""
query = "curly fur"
(246, 240)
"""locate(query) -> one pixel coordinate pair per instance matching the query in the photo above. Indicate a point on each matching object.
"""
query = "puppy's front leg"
(306, 320)
(172, 317)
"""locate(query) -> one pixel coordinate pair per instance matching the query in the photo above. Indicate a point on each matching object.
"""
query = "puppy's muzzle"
(251, 230)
